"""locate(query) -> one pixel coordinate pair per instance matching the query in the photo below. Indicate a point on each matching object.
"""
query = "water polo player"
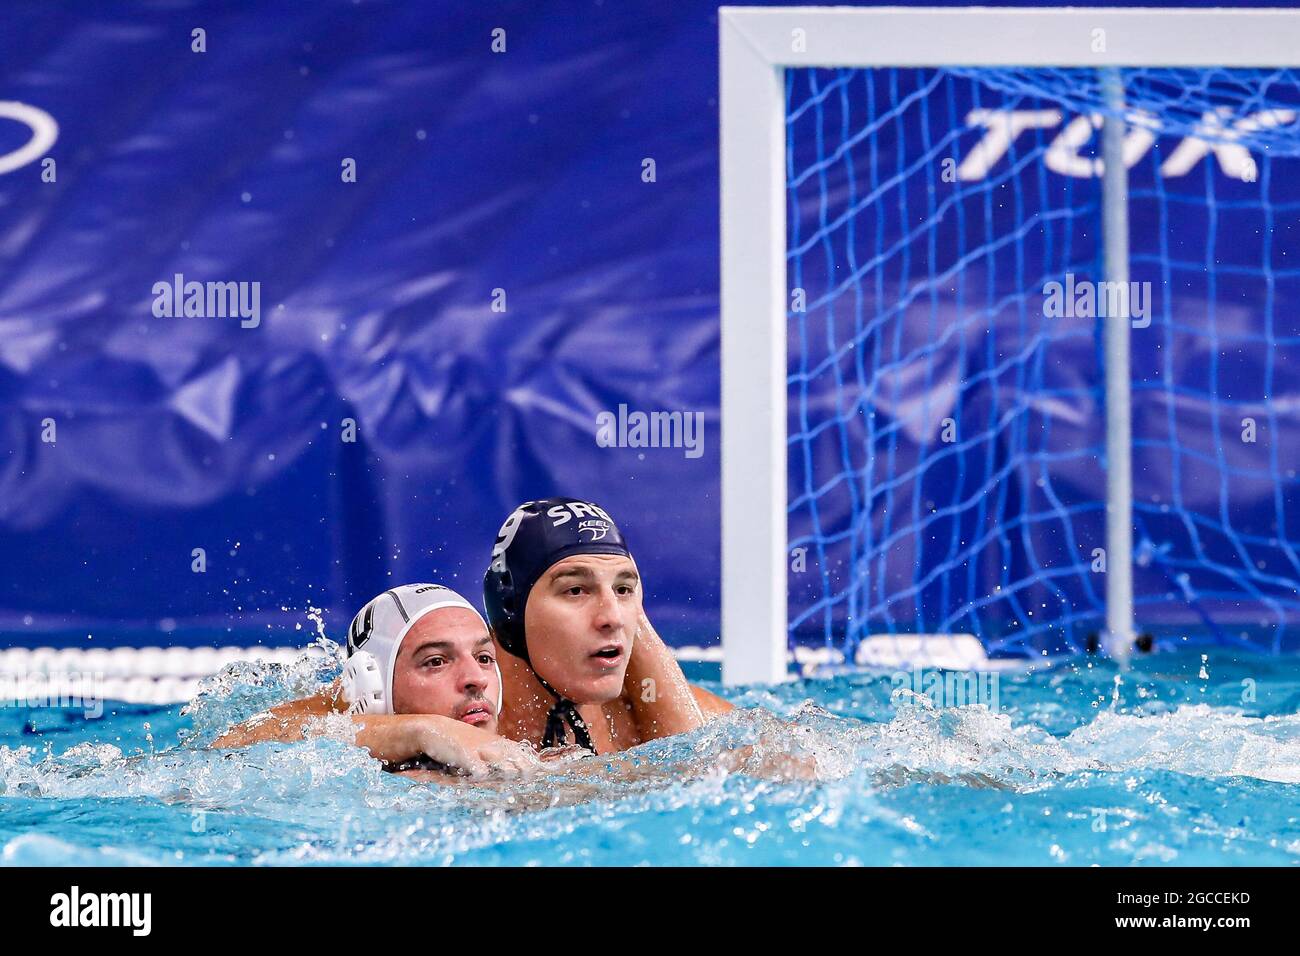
(581, 662)
(421, 680)
(564, 599)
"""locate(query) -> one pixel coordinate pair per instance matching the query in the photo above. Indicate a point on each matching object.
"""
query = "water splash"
(245, 688)
(843, 771)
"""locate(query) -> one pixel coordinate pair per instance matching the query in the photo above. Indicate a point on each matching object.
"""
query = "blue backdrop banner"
(299, 300)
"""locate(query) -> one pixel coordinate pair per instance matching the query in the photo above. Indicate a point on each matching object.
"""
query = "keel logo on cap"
(593, 529)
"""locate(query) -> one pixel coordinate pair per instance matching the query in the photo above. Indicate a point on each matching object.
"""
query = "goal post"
(757, 46)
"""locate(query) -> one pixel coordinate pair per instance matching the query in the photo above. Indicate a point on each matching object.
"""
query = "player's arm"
(711, 704)
(392, 738)
(661, 701)
(397, 738)
(285, 722)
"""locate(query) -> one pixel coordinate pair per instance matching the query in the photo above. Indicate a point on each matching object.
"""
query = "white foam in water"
(782, 770)
(1195, 739)
(37, 849)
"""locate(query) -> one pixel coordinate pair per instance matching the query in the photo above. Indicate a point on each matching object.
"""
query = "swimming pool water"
(1186, 760)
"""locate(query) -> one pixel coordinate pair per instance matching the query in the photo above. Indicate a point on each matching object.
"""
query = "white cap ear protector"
(376, 636)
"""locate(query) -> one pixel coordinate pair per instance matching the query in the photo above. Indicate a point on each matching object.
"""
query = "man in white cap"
(424, 691)
(421, 683)
(589, 665)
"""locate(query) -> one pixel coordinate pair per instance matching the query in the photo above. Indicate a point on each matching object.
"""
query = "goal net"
(1025, 397)
(946, 426)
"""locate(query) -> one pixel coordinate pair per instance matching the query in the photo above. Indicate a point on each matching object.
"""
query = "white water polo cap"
(376, 635)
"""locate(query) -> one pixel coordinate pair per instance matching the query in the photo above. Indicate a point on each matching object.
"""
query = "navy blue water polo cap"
(535, 536)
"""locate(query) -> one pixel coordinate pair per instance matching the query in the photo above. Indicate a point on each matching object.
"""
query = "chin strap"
(564, 711)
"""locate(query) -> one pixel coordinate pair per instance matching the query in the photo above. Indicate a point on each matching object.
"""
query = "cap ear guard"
(363, 684)
(501, 600)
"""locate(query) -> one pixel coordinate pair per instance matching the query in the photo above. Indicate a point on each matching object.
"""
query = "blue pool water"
(1186, 760)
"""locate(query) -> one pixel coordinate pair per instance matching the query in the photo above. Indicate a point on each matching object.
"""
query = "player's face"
(447, 666)
(580, 620)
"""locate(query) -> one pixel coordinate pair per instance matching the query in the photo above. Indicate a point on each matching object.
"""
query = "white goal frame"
(756, 44)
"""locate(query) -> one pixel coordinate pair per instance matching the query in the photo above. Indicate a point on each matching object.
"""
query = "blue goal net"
(946, 409)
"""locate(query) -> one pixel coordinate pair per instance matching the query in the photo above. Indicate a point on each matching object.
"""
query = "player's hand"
(475, 752)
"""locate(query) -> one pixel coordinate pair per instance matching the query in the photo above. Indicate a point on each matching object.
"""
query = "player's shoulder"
(710, 703)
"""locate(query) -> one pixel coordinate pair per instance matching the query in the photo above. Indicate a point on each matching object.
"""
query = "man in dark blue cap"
(563, 601)
(581, 663)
